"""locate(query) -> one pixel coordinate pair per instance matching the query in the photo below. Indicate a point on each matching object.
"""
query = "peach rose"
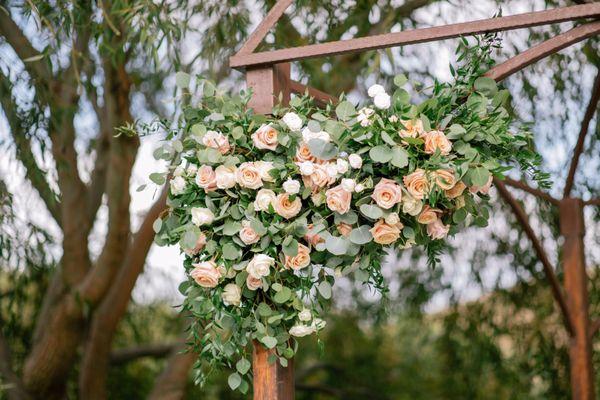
(253, 283)
(303, 154)
(311, 237)
(437, 140)
(338, 199)
(417, 184)
(344, 229)
(384, 233)
(200, 243)
(482, 189)
(225, 177)
(300, 260)
(206, 178)
(265, 138)
(428, 215)
(437, 229)
(217, 141)
(387, 193)
(412, 128)
(248, 176)
(456, 190)
(247, 234)
(286, 208)
(319, 178)
(206, 274)
(445, 179)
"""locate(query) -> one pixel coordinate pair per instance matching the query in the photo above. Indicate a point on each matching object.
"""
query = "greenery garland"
(270, 210)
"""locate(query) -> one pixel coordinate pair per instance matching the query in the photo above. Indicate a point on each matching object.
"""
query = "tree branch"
(536, 192)
(539, 250)
(585, 124)
(12, 384)
(127, 354)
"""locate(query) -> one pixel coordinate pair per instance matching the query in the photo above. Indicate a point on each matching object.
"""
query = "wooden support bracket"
(271, 380)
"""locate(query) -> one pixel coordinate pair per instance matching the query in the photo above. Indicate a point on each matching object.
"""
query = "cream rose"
(260, 265)
(286, 208)
(338, 199)
(253, 283)
(303, 153)
(444, 179)
(265, 138)
(206, 178)
(428, 215)
(306, 167)
(216, 140)
(384, 233)
(291, 186)
(392, 219)
(387, 193)
(355, 161)
(348, 184)
(264, 169)
(300, 260)
(305, 315)
(178, 185)
(308, 135)
(437, 140)
(202, 216)
(247, 234)
(206, 274)
(225, 177)
(344, 229)
(410, 205)
(341, 165)
(248, 176)
(375, 89)
(456, 190)
(412, 128)
(318, 179)
(264, 198)
(382, 101)
(293, 121)
(232, 295)
(437, 229)
(301, 330)
(417, 184)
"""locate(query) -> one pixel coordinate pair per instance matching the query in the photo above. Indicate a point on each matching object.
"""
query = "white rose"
(293, 121)
(318, 324)
(307, 135)
(374, 90)
(349, 184)
(305, 315)
(225, 177)
(232, 295)
(179, 171)
(382, 101)
(410, 205)
(291, 186)
(202, 216)
(178, 185)
(332, 170)
(191, 169)
(355, 161)
(263, 169)
(301, 330)
(264, 197)
(363, 116)
(306, 167)
(359, 187)
(342, 166)
(260, 266)
(392, 218)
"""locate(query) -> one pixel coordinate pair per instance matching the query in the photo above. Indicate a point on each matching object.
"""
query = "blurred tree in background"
(73, 72)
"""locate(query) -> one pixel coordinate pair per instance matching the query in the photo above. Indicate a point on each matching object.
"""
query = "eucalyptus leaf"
(361, 235)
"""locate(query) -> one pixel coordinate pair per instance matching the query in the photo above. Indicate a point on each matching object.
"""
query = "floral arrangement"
(270, 210)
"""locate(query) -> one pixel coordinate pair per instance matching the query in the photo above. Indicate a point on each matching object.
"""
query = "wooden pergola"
(268, 74)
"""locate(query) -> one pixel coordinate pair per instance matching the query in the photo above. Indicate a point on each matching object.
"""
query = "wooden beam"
(585, 125)
(542, 50)
(417, 36)
(263, 28)
(539, 250)
(267, 85)
(320, 97)
(271, 380)
(572, 228)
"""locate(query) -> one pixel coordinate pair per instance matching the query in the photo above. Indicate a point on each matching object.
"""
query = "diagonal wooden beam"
(320, 97)
(417, 36)
(539, 250)
(542, 50)
(263, 28)
(585, 125)
(526, 188)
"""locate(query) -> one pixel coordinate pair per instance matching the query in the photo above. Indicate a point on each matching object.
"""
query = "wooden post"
(572, 227)
(271, 380)
(267, 84)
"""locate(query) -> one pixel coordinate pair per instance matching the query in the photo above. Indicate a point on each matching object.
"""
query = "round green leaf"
(243, 366)
(324, 289)
(371, 211)
(399, 157)
(234, 380)
(361, 235)
(381, 154)
(345, 110)
(182, 80)
(269, 341)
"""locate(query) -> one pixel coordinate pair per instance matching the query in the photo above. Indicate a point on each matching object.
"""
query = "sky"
(164, 270)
